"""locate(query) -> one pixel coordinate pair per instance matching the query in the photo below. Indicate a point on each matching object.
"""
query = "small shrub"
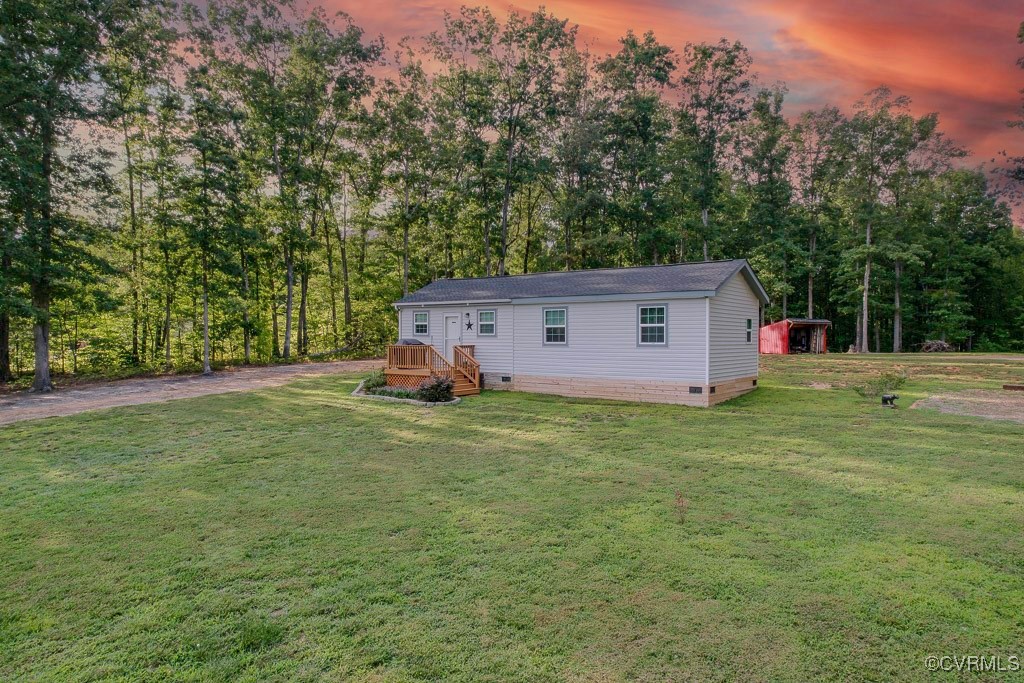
(885, 383)
(375, 379)
(682, 506)
(436, 390)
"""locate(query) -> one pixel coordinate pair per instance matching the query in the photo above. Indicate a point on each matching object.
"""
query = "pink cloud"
(952, 56)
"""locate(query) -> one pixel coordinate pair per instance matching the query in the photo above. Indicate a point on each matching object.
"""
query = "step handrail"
(467, 364)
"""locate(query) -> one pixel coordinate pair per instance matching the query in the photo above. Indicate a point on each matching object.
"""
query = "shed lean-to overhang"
(673, 281)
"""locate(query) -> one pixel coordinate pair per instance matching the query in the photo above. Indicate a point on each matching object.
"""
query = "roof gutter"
(468, 302)
(642, 296)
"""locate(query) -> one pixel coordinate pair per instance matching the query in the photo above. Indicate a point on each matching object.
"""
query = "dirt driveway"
(28, 406)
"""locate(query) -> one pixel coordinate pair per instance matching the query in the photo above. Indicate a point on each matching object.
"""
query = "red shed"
(794, 335)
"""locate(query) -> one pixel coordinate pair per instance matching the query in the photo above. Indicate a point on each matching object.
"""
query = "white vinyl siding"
(732, 356)
(493, 351)
(603, 338)
(602, 342)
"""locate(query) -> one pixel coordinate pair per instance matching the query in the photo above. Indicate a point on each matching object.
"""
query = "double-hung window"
(554, 326)
(421, 323)
(486, 323)
(652, 324)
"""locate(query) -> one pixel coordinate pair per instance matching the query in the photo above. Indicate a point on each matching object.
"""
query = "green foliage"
(394, 392)
(375, 380)
(266, 195)
(436, 389)
(884, 382)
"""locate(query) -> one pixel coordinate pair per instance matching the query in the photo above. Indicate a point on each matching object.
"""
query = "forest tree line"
(189, 185)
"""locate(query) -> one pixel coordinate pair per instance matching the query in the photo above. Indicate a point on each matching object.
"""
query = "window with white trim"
(750, 330)
(554, 326)
(486, 323)
(652, 324)
(421, 323)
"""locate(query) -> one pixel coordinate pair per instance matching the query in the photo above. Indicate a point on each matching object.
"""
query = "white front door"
(452, 328)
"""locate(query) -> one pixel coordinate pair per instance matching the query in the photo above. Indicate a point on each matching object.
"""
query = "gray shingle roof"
(682, 277)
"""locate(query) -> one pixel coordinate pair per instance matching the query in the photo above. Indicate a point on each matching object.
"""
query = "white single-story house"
(682, 333)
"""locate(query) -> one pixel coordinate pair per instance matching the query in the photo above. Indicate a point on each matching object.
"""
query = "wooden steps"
(465, 387)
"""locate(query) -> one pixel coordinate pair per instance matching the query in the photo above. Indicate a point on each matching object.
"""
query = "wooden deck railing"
(418, 358)
(426, 357)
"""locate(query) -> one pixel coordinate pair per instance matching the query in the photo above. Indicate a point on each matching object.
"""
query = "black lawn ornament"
(889, 400)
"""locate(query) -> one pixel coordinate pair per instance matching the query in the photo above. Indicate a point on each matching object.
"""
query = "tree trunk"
(41, 285)
(41, 334)
(866, 293)
(810, 276)
(303, 299)
(5, 348)
(405, 256)
(785, 288)
(704, 221)
(897, 313)
(288, 300)
(568, 244)
(506, 198)
(167, 329)
(346, 289)
(5, 331)
(331, 289)
(272, 300)
(206, 319)
(134, 232)
(246, 332)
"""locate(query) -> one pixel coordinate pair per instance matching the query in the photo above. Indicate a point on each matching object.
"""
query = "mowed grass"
(301, 534)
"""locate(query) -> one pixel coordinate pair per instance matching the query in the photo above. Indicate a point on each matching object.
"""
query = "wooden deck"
(409, 365)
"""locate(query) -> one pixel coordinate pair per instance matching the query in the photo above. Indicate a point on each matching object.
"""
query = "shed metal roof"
(703, 277)
(808, 321)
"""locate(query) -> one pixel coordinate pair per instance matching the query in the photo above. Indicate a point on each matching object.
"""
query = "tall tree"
(884, 136)
(818, 165)
(297, 74)
(714, 99)
(636, 132)
(131, 64)
(52, 52)
(767, 146)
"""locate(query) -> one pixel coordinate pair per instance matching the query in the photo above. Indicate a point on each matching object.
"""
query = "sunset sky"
(956, 57)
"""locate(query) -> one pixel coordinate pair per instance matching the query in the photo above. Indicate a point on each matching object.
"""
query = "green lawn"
(302, 534)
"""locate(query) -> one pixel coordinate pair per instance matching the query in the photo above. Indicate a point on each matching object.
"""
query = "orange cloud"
(952, 56)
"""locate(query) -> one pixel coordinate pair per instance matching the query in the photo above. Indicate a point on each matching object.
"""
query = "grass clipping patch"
(992, 404)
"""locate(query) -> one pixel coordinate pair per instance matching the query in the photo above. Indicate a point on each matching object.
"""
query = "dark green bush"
(436, 390)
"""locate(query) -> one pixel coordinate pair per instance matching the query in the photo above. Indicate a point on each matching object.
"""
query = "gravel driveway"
(25, 405)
